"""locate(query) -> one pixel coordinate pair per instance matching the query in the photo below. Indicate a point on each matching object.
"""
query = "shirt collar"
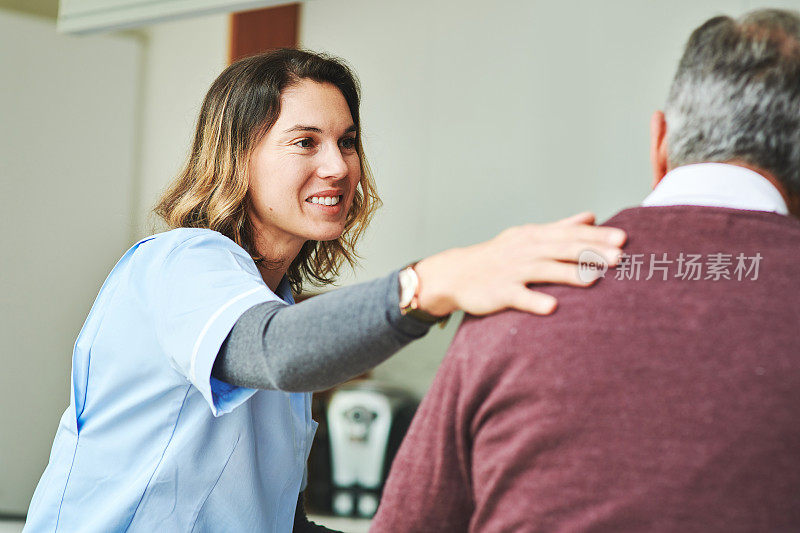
(717, 185)
(284, 291)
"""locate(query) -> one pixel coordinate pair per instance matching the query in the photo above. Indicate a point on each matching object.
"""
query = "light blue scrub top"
(150, 441)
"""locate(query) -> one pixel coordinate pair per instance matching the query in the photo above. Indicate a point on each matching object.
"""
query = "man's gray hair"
(736, 95)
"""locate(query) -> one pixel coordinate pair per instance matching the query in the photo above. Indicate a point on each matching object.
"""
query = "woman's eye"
(305, 143)
(348, 143)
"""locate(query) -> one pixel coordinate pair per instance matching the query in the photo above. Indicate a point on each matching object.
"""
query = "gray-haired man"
(735, 99)
(667, 397)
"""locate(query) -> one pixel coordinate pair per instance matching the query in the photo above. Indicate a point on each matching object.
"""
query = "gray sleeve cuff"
(403, 323)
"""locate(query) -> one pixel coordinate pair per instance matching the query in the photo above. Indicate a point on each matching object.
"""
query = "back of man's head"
(736, 95)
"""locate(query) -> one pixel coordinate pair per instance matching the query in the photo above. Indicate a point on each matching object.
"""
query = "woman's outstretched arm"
(338, 335)
(318, 343)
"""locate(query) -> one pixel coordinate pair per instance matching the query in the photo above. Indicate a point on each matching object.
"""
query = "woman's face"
(304, 171)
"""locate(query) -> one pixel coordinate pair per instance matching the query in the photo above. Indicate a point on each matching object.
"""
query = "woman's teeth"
(324, 200)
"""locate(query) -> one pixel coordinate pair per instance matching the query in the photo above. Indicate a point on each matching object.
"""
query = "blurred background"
(477, 115)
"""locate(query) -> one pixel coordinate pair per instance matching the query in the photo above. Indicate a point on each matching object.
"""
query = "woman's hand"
(495, 274)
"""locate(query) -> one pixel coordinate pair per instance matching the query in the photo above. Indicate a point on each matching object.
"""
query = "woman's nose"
(332, 163)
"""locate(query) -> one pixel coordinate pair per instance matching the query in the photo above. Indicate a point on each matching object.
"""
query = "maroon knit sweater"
(638, 406)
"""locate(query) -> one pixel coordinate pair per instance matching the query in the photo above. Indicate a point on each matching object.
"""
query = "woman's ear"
(658, 146)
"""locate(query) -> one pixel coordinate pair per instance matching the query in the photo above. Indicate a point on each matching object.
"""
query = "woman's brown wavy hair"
(241, 106)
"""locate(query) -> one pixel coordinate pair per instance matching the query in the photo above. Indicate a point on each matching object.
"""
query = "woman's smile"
(327, 202)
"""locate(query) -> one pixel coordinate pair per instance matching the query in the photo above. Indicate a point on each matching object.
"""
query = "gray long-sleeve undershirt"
(317, 343)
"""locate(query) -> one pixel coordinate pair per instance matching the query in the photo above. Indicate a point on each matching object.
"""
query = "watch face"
(408, 286)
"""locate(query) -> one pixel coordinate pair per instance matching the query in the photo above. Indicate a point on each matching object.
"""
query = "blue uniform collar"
(284, 291)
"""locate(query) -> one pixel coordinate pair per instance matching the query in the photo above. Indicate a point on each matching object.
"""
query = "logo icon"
(591, 266)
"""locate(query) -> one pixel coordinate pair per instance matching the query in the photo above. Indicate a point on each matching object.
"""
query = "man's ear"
(658, 146)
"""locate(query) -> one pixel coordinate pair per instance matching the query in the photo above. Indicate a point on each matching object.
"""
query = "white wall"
(182, 59)
(91, 129)
(67, 115)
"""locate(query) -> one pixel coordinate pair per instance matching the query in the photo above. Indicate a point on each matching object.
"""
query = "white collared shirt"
(717, 185)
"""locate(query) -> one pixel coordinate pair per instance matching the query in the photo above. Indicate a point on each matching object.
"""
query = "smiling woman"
(267, 122)
(192, 376)
(304, 172)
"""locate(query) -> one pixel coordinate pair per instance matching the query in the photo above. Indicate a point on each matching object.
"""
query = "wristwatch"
(409, 305)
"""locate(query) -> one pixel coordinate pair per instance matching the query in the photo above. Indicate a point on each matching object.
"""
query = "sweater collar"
(717, 185)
